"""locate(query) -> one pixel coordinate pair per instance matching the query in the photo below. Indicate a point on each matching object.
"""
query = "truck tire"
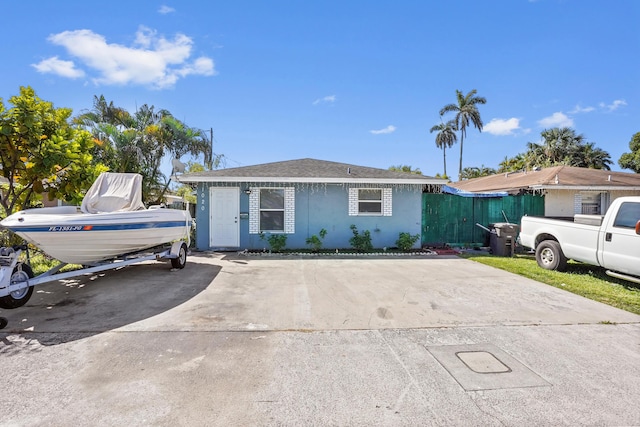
(549, 256)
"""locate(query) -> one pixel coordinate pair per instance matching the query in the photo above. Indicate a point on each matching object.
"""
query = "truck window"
(628, 215)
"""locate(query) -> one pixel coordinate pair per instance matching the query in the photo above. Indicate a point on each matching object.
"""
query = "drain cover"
(482, 362)
(484, 367)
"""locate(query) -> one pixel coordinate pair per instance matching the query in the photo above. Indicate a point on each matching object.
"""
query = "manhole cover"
(484, 367)
(482, 362)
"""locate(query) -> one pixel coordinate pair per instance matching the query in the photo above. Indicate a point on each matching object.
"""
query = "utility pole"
(210, 154)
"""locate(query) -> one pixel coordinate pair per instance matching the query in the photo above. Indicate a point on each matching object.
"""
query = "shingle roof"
(307, 170)
(554, 177)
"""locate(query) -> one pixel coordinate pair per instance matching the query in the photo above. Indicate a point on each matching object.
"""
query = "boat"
(111, 222)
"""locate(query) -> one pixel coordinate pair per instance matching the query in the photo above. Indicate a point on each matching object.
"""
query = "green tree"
(562, 146)
(513, 164)
(477, 172)
(40, 152)
(141, 141)
(589, 156)
(406, 169)
(466, 113)
(632, 160)
(445, 138)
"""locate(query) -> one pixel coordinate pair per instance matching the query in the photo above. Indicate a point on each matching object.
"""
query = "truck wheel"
(550, 257)
(18, 298)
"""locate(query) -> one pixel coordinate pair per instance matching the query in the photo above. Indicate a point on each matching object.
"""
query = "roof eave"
(586, 187)
(415, 181)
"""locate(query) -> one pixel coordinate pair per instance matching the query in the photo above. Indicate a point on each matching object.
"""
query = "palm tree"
(513, 164)
(477, 172)
(562, 146)
(445, 137)
(138, 142)
(589, 156)
(466, 114)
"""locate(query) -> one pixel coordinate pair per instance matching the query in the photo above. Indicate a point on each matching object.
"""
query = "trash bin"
(503, 238)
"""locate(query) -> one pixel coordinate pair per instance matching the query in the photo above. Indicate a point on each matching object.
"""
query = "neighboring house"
(567, 190)
(299, 198)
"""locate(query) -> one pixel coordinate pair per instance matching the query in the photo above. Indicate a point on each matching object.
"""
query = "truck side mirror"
(638, 227)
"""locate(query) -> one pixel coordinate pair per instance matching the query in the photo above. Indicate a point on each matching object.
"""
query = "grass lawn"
(586, 280)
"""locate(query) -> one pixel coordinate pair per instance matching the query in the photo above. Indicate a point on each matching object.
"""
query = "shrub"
(316, 242)
(277, 242)
(361, 242)
(406, 241)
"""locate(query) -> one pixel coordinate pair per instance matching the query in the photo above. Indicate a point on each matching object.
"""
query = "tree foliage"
(559, 146)
(40, 152)
(141, 141)
(466, 114)
(406, 169)
(476, 172)
(632, 160)
(445, 138)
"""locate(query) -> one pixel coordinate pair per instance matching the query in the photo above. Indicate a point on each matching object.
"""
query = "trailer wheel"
(549, 256)
(181, 260)
(18, 298)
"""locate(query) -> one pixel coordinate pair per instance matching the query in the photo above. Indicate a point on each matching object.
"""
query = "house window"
(590, 203)
(369, 201)
(272, 209)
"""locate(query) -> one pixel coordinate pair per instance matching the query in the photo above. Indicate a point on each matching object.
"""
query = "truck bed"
(579, 241)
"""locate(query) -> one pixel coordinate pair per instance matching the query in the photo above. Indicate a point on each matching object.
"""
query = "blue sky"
(354, 81)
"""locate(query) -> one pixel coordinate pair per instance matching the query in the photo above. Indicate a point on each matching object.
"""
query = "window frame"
(370, 201)
(626, 209)
(261, 210)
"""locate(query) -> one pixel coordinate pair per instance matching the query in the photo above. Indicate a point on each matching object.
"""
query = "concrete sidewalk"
(241, 340)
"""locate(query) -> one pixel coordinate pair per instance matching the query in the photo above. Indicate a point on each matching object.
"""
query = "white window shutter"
(289, 210)
(254, 211)
(387, 202)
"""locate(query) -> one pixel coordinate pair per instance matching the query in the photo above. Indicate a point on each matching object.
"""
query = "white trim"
(586, 187)
(420, 181)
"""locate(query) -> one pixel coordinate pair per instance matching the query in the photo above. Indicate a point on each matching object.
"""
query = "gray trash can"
(503, 238)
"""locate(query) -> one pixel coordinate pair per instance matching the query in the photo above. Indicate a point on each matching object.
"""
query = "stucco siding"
(566, 203)
(321, 206)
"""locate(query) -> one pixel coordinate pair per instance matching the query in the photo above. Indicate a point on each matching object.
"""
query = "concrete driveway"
(243, 340)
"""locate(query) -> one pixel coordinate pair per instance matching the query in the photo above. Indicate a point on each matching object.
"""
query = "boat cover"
(113, 192)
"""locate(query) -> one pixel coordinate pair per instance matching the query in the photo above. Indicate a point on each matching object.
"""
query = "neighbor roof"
(557, 177)
(308, 170)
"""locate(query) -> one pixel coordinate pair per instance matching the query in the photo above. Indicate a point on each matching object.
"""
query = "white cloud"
(558, 119)
(388, 129)
(614, 105)
(59, 67)
(502, 126)
(152, 61)
(326, 100)
(164, 9)
(578, 109)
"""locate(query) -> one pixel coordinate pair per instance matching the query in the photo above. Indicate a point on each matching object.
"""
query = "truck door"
(620, 243)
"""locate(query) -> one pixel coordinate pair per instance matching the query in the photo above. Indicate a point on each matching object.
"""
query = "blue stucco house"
(299, 198)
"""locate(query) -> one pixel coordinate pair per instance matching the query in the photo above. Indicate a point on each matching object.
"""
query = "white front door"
(224, 220)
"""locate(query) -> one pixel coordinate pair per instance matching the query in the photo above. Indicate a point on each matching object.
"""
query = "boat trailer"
(17, 280)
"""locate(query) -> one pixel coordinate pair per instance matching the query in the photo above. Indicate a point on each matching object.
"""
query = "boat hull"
(86, 239)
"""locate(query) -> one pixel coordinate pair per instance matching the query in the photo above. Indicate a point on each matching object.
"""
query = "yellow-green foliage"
(40, 152)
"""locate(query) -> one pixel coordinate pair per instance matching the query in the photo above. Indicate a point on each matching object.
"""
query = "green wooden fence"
(447, 218)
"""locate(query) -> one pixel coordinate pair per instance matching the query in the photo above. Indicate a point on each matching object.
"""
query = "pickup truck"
(611, 241)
